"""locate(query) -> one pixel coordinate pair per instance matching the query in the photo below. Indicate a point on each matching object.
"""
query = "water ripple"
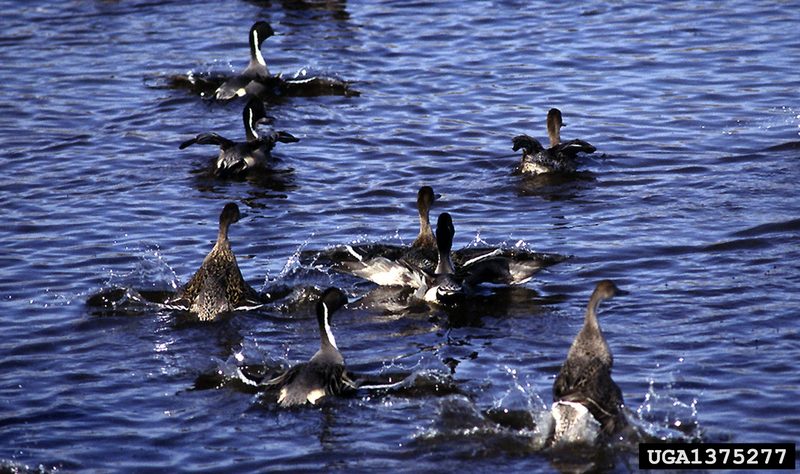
(688, 203)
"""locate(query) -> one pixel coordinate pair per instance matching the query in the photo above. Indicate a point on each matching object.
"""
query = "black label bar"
(717, 456)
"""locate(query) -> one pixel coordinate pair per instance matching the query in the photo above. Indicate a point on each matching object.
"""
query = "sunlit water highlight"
(690, 204)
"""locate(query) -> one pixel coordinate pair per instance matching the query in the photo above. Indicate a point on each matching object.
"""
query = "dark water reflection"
(689, 204)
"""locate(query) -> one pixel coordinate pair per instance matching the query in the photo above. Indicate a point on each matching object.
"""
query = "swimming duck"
(559, 158)
(391, 264)
(443, 283)
(431, 270)
(257, 68)
(256, 79)
(324, 374)
(485, 265)
(236, 158)
(584, 382)
(218, 286)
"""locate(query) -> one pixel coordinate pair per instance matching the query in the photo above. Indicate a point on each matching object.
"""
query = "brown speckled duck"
(218, 286)
(584, 381)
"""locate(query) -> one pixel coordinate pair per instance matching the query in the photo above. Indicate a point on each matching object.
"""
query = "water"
(691, 205)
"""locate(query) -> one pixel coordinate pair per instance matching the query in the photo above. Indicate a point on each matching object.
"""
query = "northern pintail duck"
(391, 264)
(218, 286)
(422, 264)
(236, 158)
(324, 374)
(485, 265)
(240, 85)
(584, 382)
(442, 284)
(256, 79)
(558, 158)
(412, 266)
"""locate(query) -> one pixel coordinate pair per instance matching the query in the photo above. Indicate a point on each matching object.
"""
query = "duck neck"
(325, 332)
(590, 321)
(222, 236)
(554, 132)
(592, 336)
(255, 50)
(445, 265)
(425, 237)
(249, 118)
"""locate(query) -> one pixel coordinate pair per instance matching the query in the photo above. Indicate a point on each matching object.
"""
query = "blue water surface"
(690, 203)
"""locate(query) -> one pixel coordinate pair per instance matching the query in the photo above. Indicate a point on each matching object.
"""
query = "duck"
(391, 265)
(560, 157)
(240, 85)
(486, 266)
(423, 251)
(324, 374)
(587, 403)
(412, 266)
(429, 259)
(237, 158)
(218, 287)
(442, 285)
(256, 80)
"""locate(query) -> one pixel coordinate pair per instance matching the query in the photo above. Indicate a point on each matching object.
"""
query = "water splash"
(522, 408)
(152, 280)
(300, 271)
(517, 420)
(520, 393)
(661, 415)
(477, 241)
(293, 263)
(150, 272)
(465, 430)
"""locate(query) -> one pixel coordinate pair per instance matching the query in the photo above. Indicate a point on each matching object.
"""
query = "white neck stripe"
(251, 123)
(257, 49)
(328, 331)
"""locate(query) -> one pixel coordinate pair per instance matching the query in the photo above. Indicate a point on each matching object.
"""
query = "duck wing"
(209, 138)
(283, 137)
(527, 143)
(385, 272)
(233, 87)
(502, 266)
(386, 265)
(284, 378)
(571, 148)
(334, 256)
(312, 86)
(269, 140)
